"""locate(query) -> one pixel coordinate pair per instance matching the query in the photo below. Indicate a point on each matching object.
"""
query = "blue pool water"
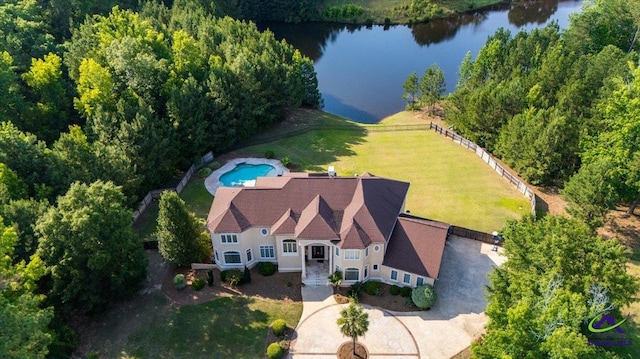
(246, 173)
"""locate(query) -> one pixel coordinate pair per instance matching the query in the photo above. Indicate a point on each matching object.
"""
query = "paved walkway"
(452, 324)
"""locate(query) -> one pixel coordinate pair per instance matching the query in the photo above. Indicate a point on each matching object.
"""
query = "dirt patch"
(280, 286)
(345, 351)
(623, 227)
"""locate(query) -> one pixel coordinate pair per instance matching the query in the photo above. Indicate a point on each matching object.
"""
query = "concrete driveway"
(449, 327)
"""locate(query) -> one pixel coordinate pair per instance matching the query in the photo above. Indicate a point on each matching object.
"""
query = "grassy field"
(233, 327)
(448, 182)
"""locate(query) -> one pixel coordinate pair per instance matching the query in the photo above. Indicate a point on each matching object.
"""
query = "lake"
(361, 69)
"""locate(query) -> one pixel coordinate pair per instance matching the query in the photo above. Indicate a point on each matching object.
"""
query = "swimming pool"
(245, 174)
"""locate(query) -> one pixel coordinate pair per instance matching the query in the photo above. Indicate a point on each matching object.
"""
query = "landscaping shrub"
(266, 268)
(214, 165)
(204, 172)
(278, 327)
(210, 278)
(405, 292)
(424, 297)
(286, 161)
(231, 276)
(179, 281)
(355, 291)
(197, 284)
(274, 351)
(246, 276)
(372, 287)
(394, 290)
(269, 154)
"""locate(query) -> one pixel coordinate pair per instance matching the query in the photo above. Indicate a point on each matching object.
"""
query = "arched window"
(232, 257)
(289, 247)
(351, 274)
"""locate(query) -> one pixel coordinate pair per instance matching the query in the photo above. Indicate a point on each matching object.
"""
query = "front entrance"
(317, 252)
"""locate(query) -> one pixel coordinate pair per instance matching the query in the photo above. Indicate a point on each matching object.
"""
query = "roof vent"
(332, 171)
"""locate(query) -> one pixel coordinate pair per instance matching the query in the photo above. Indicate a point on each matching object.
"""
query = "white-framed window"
(232, 257)
(337, 252)
(249, 255)
(406, 279)
(337, 268)
(366, 272)
(375, 267)
(290, 247)
(352, 254)
(419, 281)
(264, 232)
(351, 274)
(229, 238)
(267, 251)
(376, 248)
(216, 255)
(366, 252)
(394, 275)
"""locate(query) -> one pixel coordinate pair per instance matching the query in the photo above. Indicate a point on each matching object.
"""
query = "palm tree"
(336, 279)
(353, 322)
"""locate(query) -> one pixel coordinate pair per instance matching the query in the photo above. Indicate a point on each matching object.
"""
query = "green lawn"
(230, 327)
(196, 196)
(448, 182)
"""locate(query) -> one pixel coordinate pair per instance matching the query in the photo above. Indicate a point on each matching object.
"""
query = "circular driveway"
(318, 335)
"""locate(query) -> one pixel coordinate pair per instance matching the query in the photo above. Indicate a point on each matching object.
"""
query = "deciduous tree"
(432, 86)
(91, 253)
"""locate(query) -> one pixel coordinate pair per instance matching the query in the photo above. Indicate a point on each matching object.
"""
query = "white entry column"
(302, 256)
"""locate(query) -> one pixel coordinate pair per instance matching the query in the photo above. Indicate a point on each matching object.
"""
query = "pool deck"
(213, 181)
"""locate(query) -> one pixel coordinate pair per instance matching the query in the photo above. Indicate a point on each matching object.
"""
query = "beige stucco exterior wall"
(386, 277)
(252, 239)
(288, 262)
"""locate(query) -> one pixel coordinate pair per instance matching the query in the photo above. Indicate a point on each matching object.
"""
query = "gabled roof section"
(286, 224)
(316, 221)
(232, 221)
(416, 246)
(354, 237)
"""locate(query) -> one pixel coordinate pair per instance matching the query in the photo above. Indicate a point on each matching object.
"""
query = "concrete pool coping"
(212, 182)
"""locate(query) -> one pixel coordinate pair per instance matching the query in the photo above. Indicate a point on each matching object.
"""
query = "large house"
(318, 223)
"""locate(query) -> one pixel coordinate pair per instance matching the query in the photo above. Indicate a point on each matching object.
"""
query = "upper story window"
(352, 254)
(229, 238)
(366, 252)
(337, 252)
(264, 232)
(290, 247)
(376, 248)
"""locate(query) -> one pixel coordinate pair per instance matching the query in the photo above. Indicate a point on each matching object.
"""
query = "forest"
(103, 101)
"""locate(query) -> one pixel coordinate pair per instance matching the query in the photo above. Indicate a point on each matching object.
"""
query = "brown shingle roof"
(316, 221)
(373, 202)
(286, 224)
(416, 246)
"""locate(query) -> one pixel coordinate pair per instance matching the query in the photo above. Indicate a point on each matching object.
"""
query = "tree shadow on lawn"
(223, 328)
(310, 150)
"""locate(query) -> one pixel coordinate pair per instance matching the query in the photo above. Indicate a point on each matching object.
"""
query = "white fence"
(486, 157)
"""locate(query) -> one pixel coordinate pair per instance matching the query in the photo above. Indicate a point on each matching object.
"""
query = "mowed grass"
(448, 182)
(230, 327)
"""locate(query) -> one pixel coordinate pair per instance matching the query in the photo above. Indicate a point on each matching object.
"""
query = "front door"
(317, 252)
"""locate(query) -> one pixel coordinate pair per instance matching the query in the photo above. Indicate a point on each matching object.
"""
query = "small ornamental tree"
(179, 233)
(353, 322)
(336, 279)
(278, 327)
(274, 351)
(424, 297)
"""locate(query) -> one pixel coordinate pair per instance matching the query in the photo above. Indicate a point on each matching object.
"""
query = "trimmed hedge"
(372, 287)
(266, 268)
(424, 297)
(269, 154)
(197, 284)
(406, 291)
(394, 290)
(274, 351)
(278, 327)
(355, 291)
(179, 281)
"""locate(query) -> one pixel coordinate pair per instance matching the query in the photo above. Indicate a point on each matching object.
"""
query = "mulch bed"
(280, 286)
(345, 351)
(284, 342)
(394, 303)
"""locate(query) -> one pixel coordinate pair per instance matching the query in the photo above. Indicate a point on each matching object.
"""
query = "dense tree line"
(102, 101)
(545, 101)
